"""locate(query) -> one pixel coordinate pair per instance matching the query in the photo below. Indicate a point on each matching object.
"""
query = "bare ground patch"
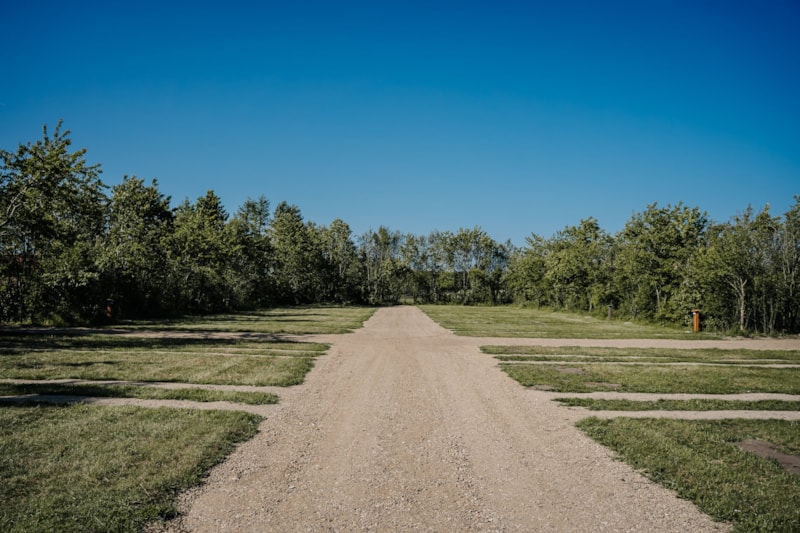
(790, 463)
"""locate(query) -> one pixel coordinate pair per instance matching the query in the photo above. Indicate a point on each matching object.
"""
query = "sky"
(518, 117)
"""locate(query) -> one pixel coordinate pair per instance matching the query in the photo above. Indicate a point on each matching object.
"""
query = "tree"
(251, 255)
(415, 255)
(440, 260)
(297, 256)
(134, 258)
(472, 255)
(488, 279)
(343, 272)
(788, 265)
(748, 273)
(654, 251)
(578, 266)
(51, 216)
(385, 273)
(766, 284)
(200, 253)
(526, 272)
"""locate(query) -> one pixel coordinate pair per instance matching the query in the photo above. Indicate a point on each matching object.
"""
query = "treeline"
(73, 249)
(743, 275)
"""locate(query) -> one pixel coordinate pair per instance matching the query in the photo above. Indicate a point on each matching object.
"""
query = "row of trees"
(69, 245)
(744, 275)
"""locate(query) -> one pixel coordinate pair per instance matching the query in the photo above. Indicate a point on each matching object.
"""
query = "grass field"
(82, 468)
(510, 321)
(218, 362)
(641, 355)
(701, 461)
(651, 370)
(656, 378)
(95, 468)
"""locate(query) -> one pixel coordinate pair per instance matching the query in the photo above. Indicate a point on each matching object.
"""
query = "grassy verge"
(656, 378)
(82, 468)
(642, 355)
(680, 405)
(700, 460)
(221, 362)
(508, 321)
(194, 394)
(285, 320)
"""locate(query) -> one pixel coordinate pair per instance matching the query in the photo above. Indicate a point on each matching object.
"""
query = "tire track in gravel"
(404, 426)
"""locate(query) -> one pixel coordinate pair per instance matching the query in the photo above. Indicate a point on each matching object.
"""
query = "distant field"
(285, 320)
(510, 321)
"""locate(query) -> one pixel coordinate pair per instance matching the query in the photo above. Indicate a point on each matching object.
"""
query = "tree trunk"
(739, 287)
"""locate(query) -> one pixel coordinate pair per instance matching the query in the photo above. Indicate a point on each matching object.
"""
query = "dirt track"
(404, 426)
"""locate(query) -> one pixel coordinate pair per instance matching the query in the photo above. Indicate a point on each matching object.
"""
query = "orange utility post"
(695, 320)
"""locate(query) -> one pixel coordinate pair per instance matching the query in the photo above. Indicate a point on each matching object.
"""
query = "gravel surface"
(403, 426)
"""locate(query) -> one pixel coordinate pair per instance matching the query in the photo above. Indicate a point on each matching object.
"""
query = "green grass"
(21, 340)
(194, 394)
(509, 321)
(81, 468)
(656, 378)
(105, 357)
(284, 320)
(94, 468)
(680, 405)
(642, 355)
(700, 460)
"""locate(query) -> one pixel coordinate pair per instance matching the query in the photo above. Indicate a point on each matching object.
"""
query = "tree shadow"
(26, 340)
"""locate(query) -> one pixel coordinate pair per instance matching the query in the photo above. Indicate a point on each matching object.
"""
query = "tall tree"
(488, 277)
(415, 255)
(527, 270)
(339, 252)
(655, 248)
(578, 266)
(134, 256)
(297, 256)
(441, 260)
(251, 255)
(385, 272)
(200, 255)
(788, 265)
(52, 205)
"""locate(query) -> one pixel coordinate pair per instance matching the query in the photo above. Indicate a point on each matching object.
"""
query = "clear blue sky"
(516, 116)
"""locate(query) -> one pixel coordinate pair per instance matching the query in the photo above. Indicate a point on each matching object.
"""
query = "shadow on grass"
(281, 316)
(44, 400)
(24, 340)
(72, 391)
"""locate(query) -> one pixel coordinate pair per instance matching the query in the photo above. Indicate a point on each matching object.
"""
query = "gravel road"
(404, 426)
